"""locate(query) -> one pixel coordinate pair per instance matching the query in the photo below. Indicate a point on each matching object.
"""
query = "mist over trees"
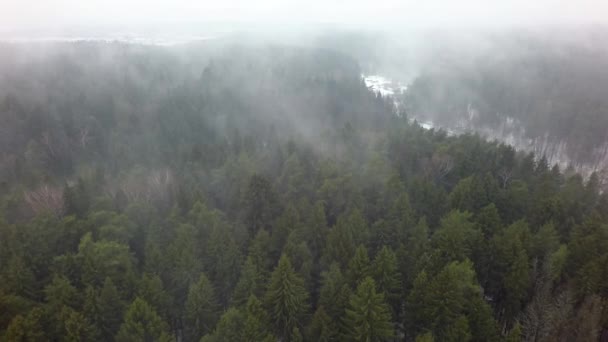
(543, 94)
(225, 192)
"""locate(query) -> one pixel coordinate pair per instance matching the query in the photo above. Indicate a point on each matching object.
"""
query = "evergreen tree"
(257, 322)
(143, 324)
(387, 277)
(250, 283)
(296, 336)
(229, 328)
(286, 298)
(28, 328)
(261, 204)
(358, 267)
(334, 293)
(152, 291)
(322, 328)
(76, 327)
(368, 316)
(60, 292)
(104, 308)
(201, 309)
(317, 230)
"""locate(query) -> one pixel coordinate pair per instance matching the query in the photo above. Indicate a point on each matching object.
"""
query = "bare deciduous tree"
(45, 199)
(505, 176)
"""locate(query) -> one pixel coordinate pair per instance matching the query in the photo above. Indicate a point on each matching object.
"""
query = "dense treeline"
(263, 194)
(549, 92)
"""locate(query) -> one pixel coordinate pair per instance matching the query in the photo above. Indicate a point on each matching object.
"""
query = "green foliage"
(359, 267)
(191, 217)
(386, 274)
(60, 292)
(105, 259)
(27, 328)
(441, 304)
(104, 308)
(368, 316)
(250, 283)
(201, 309)
(427, 337)
(229, 327)
(322, 328)
(334, 293)
(151, 290)
(76, 327)
(257, 324)
(455, 239)
(142, 323)
(260, 203)
(286, 298)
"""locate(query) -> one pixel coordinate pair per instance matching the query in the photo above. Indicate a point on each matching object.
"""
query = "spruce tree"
(110, 309)
(322, 328)
(358, 267)
(142, 324)
(368, 316)
(334, 293)
(250, 283)
(257, 322)
(286, 298)
(388, 279)
(202, 310)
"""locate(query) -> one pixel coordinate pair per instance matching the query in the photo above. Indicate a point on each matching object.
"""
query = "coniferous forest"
(214, 192)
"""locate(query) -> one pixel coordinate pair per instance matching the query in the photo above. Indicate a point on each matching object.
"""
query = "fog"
(60, 15)
(291, 170)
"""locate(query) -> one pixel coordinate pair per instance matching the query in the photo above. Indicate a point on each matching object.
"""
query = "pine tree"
(142, 324)
(515, 334)
(152, 291)
(317, 230)
(229, 328)
(454, 240)
(107, 307)
(358, 267)
(482, 324)
(261, 204)
(202, 310)
(250, 283)
(257, 322)
(436, 304)
(427, 337)
(322, 328)
(419, 307)
(296, 336)
(458, 331)
(350, 231)
(334, 293)
(223, 260)
(300, 257)
(28, 328)
(387, 277)
(60, 292)
(368, 317)
(76, 327)
(412, 254)
(260, 253)
(286, 298)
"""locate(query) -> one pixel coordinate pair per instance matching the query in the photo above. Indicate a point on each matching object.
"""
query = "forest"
(239, 192)
(546, 93)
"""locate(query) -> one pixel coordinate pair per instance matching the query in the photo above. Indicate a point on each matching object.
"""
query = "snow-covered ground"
(383, 85)
(512, 133)
(388, 88)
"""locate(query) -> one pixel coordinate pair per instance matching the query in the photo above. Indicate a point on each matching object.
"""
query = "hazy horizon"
(61, 16)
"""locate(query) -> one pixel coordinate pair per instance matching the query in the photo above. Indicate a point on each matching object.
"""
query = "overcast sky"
(53, 14)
